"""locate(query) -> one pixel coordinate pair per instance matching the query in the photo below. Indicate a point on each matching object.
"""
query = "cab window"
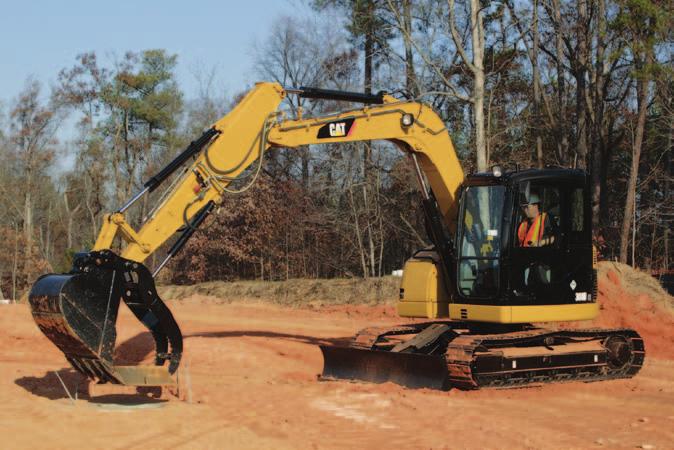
(480, 240)
(538, 219)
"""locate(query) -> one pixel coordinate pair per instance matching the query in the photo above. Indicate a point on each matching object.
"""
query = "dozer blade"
(78, 313)
(412, 370)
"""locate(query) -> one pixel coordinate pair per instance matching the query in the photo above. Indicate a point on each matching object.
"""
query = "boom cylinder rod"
(198, 219)
(191, 150)
(133, 200)
(420, 177)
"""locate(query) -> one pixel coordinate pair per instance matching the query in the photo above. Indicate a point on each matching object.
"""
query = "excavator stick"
(413, 370)
(78, 313)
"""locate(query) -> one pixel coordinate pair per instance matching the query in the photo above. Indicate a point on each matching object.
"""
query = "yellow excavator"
(494, 269)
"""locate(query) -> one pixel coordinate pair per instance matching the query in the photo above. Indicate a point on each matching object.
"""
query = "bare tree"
(643, 23)
(553, 8)
(294, 55)
(33, 127)
(476, 66)
(70, 214)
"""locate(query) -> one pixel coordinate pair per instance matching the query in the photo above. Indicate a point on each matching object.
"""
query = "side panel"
(523, 314)
(422, 292)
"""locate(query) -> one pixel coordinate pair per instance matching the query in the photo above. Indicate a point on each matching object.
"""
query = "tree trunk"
(359, 236)
(642, 101)
(28, 227)
(367, 146)
(369, 50)
(668, 176)
(410, 75)
(70, 218)
(478, 89)
(581, 85)
(15, 262)
(598, 148)
(370, 239)
(45, 243)
(562, 133)
(304, 156)
(537, 89)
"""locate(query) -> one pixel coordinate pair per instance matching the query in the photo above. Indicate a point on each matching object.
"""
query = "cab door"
(539, 271)
(581, 278)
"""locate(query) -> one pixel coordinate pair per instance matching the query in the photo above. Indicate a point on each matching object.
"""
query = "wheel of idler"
(619, 352)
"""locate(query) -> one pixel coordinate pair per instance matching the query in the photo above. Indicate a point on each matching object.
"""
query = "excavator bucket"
(413, 370)
(78, 313)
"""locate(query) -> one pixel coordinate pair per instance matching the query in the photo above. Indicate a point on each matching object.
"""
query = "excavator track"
(531, 357)
(459, 358)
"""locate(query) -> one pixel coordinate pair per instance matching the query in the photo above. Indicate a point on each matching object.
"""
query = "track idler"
(78, 313)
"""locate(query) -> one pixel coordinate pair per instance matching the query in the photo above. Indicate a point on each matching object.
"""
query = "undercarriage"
(451, 354)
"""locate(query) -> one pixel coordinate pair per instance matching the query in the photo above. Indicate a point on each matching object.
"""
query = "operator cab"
(524, 238)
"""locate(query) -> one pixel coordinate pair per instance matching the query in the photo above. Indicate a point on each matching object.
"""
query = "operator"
(537, 229)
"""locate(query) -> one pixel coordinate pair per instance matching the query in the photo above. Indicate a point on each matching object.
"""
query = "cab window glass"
(482, 221)
(539, 216)
(480, 241)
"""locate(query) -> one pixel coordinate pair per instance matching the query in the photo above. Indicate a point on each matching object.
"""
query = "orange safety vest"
(530, 235)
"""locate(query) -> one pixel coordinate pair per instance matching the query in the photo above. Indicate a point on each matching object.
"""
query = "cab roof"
(558, 174)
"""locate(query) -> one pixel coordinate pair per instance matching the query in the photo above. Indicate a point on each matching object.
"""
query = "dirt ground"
(249, 380)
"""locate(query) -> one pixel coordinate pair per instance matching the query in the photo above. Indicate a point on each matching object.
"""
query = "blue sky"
(39, 37)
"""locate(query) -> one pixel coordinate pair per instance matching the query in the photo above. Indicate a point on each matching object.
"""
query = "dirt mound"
(631, 298)
(360, 311)
(296, 292)
(635, 282)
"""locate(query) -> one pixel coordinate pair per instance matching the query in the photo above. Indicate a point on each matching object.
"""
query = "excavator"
(473, 298)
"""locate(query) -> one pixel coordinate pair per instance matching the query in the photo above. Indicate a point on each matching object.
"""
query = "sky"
(38, 38)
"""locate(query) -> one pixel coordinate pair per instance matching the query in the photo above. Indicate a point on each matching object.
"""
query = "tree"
(295, 54)
(130, 115)
(32, 126)
(644, 22)
(476, 66)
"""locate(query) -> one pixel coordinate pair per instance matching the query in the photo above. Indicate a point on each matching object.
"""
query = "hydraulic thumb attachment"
(78, 312)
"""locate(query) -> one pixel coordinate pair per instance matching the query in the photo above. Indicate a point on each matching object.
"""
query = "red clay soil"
(653, 321)
(252, 371)
(624, 305)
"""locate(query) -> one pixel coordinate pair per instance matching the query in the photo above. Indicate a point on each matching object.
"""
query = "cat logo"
(337, 129)
(340, 128)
